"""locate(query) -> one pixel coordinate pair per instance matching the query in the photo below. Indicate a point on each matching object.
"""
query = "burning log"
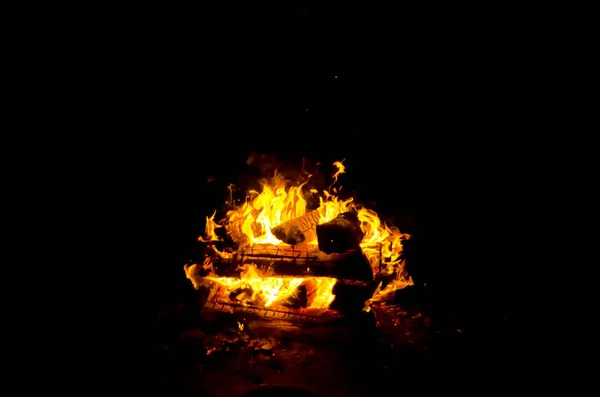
(310, 295)
(303, 260)
(350, 297)
(298, 230)
(274, 292)
(349, 300)
(235, 229)
(321, 316)
(341, 234)
(298, 299)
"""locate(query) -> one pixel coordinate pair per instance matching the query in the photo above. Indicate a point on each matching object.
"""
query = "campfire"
(291, 251)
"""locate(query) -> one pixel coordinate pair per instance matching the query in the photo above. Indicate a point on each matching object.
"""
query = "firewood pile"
(338, 252)
(336, 267)
(276, 256)
(313, 256)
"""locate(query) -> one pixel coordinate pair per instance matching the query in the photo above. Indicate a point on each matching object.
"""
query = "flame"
(341, 169)
(263, 211)
(209, 232)
(280, 201)
(255, 288)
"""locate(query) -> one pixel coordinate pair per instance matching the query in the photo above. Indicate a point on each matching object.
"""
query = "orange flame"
(271, 289)
(268, 290)
(209, 231)
(279, 202)
(341, 170)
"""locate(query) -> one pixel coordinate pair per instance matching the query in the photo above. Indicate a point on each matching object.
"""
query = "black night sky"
(166, 106)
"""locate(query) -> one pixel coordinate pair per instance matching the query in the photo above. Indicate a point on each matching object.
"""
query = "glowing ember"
(281, 201)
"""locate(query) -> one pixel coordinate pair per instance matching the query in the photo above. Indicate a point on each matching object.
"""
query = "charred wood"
(342, 330)
(302, 261)
(309, 292)
(308, 315)
(351, 297)
(298, 230)
(341, 234)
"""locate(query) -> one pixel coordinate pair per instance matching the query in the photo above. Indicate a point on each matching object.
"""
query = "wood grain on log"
(348, 295)
(298, 230)
(341, 234)
(304, 260)
(305, 315)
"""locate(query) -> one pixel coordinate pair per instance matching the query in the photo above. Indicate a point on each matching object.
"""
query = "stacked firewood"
(338, 253)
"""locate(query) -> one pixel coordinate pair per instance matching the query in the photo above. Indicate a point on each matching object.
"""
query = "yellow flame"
(280, 201)
(269, 290)
(209, 230)
(341, 169)
(190, 273)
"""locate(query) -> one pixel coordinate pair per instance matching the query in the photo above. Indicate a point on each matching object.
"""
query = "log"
(302, 260)
(312, 293)
(234, 229)
(349, 298)
(298, 230)
(341, 234)
(297, 300)
(302, 315)
(339, 329)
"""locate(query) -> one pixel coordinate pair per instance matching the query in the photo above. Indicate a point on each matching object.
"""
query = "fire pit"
(292, 252)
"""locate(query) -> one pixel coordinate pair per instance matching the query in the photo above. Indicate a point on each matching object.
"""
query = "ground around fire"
(449, 333)
(395, 347)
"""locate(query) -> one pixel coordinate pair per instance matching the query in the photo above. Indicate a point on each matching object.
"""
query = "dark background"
(120, 117)
(423, 116)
